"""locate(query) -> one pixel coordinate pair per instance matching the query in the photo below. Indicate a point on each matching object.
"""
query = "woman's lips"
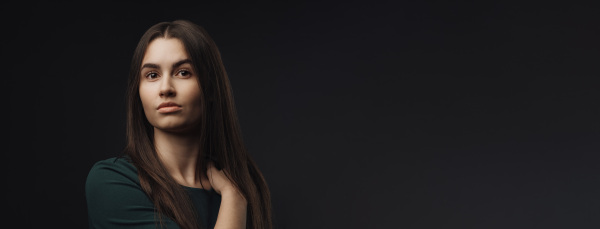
(168, 107)
(164, 110)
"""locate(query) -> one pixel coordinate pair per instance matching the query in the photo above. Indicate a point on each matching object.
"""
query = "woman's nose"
(166, 88)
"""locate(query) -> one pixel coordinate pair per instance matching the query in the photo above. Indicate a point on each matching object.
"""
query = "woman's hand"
(219, 182)
(232, 213)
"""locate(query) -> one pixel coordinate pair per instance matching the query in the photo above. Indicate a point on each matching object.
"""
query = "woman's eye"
(152, 75)
(184, 73)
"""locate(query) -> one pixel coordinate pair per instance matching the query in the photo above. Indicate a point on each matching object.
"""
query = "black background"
(361, 114)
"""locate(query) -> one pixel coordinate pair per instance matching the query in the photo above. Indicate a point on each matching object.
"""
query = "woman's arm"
(232, 213)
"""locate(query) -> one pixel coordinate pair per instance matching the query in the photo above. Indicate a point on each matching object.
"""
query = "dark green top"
(115, 199)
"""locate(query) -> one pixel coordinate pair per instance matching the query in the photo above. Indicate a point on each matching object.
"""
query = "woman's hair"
(220, 138)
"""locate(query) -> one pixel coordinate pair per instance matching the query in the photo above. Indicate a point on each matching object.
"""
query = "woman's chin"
(176, 128)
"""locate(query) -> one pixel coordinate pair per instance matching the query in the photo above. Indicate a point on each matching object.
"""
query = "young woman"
(184, 165)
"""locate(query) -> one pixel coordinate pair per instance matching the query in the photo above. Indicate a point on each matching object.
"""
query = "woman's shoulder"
(114, 195)
(113, 172)
(120, 163)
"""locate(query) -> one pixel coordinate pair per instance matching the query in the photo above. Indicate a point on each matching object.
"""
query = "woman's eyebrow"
(175, 65)
(181, 62)
(150, 65)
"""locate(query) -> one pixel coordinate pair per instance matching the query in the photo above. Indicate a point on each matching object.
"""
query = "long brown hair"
(221, 138)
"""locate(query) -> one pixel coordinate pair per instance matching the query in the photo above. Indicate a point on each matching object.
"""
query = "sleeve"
(116, 200)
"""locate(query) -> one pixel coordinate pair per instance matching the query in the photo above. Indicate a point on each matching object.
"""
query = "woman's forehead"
(165, 51)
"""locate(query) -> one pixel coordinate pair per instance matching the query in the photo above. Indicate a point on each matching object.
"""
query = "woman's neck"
(179, 154)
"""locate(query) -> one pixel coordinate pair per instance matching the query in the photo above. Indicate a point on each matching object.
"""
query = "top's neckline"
(128, 160)
(198, 189)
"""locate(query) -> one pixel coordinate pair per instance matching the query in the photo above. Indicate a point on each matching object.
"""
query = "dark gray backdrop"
(360, 114)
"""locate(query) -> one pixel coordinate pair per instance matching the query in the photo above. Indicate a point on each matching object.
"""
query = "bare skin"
(167, 76)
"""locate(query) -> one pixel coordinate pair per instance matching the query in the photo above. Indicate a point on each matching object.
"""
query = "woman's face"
(169, 87)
